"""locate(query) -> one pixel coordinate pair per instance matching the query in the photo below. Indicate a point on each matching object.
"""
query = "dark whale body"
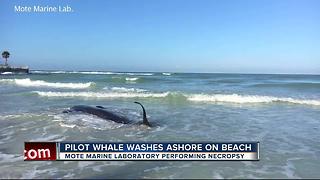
(103, 113)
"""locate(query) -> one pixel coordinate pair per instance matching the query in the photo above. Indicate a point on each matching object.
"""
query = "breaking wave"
(93, 72)
(138, 74)
(115, 73)
(101, 94)
(207, 98)
(4, 73)
(123, 89)
(39, 83)
(235, 98)
(131, 79)
(166, 74)
(48, 72)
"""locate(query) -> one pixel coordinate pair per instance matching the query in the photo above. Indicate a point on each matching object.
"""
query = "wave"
(207, 98)
(37, 72)
(123, 89)
(235, 98)
(39, 83)
(101, 94)
(4, 73)
(71, 72)
(131, 79)
(166, 74)
(123, 79)
(48, 72)
(139, 74)
(93, 73)
(57, 72)
(6, 80)
(115, 73)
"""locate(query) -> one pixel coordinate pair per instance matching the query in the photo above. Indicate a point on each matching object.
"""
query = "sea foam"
(242, 99)
(124, 89)
(131, 79)
(39, 83)
(92, 73)
(206, 98)
(101, 94)
(4, 73)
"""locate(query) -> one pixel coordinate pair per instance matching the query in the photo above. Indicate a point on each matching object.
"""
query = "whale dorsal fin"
(145, 120)
(101, 107)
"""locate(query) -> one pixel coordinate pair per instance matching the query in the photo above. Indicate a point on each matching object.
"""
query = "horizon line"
(175, 72)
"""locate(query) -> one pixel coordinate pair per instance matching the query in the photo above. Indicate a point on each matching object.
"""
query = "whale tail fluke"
(145, 120)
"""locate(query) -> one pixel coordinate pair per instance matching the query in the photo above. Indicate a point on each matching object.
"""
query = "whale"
(106, 114)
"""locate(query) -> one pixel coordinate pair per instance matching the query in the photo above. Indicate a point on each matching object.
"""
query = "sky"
(218, 36)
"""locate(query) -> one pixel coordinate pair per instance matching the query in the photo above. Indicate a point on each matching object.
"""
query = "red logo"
(40, 151)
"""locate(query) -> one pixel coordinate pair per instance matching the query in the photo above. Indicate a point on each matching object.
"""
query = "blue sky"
(236, 36)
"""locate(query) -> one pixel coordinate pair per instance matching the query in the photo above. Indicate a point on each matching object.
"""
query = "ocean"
(282, 112)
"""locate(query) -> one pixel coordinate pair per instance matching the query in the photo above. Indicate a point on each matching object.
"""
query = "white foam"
(139, 74)
(166, 74)
(131, 79)
(64, 72)
(101, 94)
(58, 72)
(94, 72)
(4, 73)
(114, 73)
(123, 89)
(49, 72)
(6, 80)
(39, 72)
(211, 98)
(67, 125)
(39, 83)
(235, 98)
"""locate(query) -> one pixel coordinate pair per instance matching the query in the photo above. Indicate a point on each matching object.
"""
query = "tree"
(5, 55)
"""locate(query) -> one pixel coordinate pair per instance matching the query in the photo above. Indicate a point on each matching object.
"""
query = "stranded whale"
(106, 114)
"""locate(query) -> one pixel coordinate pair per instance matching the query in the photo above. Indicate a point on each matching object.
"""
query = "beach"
(281, 111)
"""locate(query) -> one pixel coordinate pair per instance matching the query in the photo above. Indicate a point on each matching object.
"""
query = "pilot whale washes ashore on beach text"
(43, 9)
